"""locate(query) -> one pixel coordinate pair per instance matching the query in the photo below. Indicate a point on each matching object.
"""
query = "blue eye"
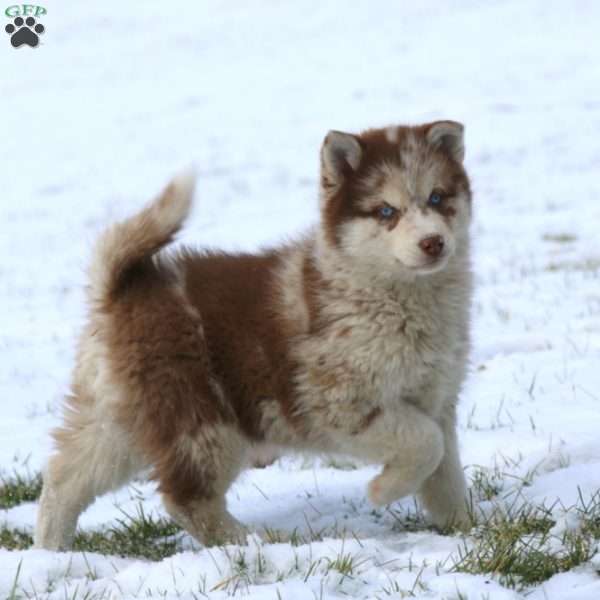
(387, 212)
(435, 199)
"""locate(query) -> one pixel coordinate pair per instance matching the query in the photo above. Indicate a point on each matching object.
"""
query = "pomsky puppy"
(352, 340)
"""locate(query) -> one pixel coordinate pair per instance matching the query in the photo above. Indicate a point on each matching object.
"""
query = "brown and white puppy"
(353, 340)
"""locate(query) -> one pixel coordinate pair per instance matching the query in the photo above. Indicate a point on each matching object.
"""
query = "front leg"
(409, 443)
(444, 493)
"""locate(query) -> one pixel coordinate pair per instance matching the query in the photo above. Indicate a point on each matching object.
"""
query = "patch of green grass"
(520, 550)
(14, 539)
(588, 512)
(486, 483)
(346, 564)
(18, 489)
(14, 491)
(295, 538)
(140, 535)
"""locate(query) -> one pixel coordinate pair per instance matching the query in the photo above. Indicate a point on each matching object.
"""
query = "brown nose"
(432, 245)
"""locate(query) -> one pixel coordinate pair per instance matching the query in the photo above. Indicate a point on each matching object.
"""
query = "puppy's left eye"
(435, 199)
(387, 211)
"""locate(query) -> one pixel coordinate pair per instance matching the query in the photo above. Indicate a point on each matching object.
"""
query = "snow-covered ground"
(120, 95)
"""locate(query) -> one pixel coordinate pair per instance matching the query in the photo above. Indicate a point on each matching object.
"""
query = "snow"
(120, 96)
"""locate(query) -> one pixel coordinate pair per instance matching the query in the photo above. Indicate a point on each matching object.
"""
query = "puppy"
(352, 340)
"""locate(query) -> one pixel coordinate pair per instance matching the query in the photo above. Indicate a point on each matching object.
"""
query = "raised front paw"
(391, 485)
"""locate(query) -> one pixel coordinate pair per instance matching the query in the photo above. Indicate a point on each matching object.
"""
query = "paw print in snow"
(24, 32)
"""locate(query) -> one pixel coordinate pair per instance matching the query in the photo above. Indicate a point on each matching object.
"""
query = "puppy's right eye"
(387, 211)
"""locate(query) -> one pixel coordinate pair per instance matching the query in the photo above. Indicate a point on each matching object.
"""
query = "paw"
(457, 519)
(374, 492)
(224, 533)
(261, 457)
(389, 487)
(24, 32)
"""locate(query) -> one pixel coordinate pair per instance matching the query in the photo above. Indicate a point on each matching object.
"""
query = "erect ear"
(341, 154)
(448, 136)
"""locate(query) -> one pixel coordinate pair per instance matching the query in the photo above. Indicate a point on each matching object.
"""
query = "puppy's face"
(396, 200)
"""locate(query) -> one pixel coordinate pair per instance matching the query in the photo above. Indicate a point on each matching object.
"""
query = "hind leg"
(196, 477)
(92, 457)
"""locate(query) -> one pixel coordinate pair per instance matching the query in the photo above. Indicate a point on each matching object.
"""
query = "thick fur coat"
(352, 340)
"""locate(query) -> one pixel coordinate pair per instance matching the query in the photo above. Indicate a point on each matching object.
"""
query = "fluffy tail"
(127, 244)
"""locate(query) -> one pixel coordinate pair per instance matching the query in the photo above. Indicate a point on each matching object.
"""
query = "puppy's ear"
(341, 154)
(449, 137)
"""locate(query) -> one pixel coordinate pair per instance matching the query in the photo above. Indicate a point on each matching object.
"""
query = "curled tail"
(127, 244)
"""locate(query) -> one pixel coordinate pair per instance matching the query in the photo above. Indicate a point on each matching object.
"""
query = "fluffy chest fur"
(371, 348)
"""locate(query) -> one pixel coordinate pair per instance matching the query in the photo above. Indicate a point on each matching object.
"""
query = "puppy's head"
(396, 200)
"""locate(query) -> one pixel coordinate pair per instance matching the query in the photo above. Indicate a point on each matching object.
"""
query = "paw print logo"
(24, 32)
